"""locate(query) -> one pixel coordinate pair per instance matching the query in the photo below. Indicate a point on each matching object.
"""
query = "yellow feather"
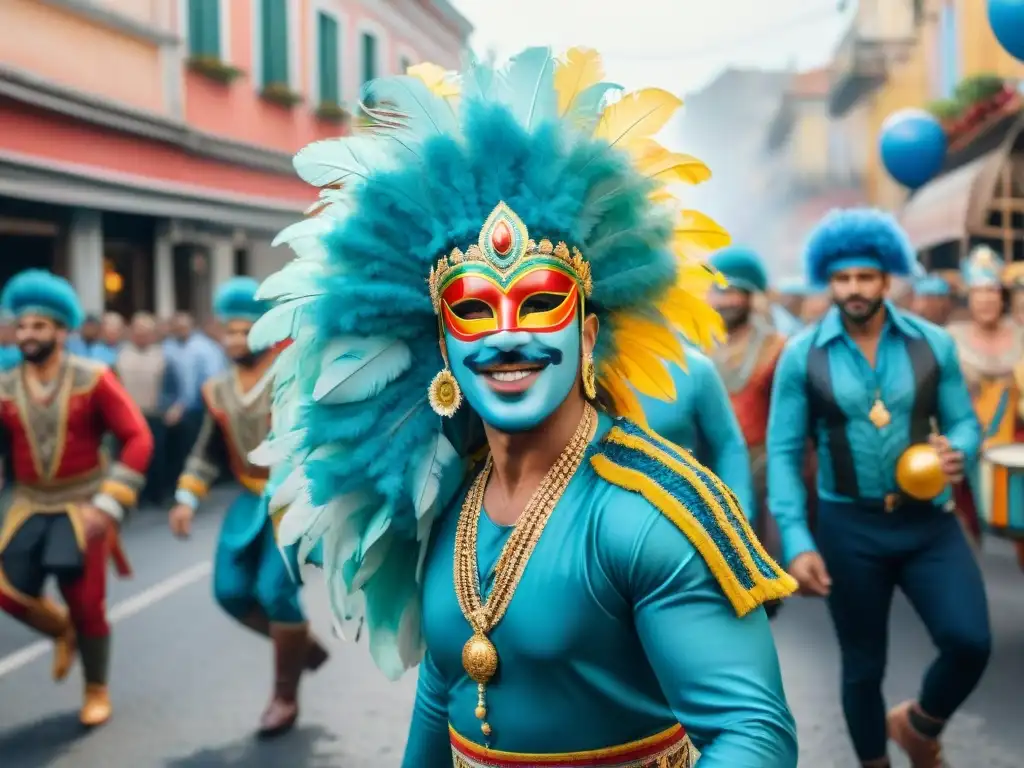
(435, 78)
(637, 115)
(661, 195)
(646, 373)
(693, 317)
(581, 69)
(672, 167)
(696, 235)
(624, 399)
(656, 338)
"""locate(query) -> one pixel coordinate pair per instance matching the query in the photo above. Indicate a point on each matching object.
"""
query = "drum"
(1000, 493)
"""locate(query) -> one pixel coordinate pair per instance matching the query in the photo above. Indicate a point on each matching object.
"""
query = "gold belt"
(668, 749)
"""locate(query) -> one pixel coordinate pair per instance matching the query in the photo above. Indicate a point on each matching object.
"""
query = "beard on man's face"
(34, 351)
(859, 309)
(734, 317)
(247, 359)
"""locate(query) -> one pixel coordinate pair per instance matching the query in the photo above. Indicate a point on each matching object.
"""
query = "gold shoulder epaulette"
(700, 505)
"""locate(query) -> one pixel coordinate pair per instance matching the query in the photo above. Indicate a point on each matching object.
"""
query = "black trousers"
(922, 551)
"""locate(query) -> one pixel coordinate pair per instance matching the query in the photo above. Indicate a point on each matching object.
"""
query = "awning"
(30, 179)
(944, 209)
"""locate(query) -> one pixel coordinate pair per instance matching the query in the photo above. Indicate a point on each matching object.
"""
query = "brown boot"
(64, 648)
(96, 709)
(924, 752)
(291, 649)
(95, 655)
(47, 618)
(316, 654)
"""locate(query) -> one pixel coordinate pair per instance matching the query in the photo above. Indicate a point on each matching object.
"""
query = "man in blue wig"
(67, 503)
(497, 263)
(747, 364)
(871, 383)
(251, 579)
(933, 299)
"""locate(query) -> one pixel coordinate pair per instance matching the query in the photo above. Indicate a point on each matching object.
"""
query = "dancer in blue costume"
(868, 382)
(495, 260)
(251, 579)
(701, 420)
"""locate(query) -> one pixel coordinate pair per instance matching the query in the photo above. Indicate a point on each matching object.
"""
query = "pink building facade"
(145, 145)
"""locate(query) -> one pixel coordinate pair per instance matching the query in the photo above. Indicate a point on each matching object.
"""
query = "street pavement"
(189, 685)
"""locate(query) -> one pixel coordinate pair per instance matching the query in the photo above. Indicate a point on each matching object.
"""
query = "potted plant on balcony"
(212, 67)
(977, 102)
(332, 112)
(280, 94)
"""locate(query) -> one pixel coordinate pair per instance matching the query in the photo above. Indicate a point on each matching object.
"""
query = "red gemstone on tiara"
(501, 238)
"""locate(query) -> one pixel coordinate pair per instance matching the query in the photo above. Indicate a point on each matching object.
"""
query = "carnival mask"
(510, 316)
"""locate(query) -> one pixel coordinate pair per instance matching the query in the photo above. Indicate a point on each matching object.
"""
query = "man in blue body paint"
(866, 382)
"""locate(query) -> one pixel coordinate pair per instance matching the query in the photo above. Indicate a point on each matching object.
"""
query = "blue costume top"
(634, 592)
(702, 421)
(856, 385)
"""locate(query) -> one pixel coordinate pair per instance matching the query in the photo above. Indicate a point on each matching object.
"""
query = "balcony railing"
(879, 36)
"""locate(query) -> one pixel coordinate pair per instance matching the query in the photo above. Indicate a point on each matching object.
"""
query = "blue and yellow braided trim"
(700, 505)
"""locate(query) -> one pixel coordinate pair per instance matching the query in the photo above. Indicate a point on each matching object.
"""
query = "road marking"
(123, 610)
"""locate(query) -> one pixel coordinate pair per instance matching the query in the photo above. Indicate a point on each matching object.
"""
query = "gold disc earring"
(589, 377)
(444, 393)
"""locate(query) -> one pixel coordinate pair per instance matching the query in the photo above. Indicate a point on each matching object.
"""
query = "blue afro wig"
(236, 300)
(39, 292)
(857, 237)
(742, 267)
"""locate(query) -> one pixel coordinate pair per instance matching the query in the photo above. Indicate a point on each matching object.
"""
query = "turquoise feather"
(427, 475)
(362, 371)
(529, 83)
(277, 324)
(411, 105)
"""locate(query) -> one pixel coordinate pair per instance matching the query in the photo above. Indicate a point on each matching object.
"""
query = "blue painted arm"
(787, 441)
(957, 420)
(429, 745)
(719, 672)
(728, 456)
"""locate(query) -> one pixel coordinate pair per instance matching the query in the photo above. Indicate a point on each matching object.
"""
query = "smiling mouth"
(511, 378)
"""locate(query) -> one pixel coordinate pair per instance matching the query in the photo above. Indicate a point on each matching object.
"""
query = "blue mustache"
(475, 361)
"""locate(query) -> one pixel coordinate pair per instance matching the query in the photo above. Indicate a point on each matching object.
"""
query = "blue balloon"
(1007, 20)
(913, 147)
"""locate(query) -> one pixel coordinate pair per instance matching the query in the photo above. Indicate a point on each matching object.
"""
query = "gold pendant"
(480, 658)
(879, 414)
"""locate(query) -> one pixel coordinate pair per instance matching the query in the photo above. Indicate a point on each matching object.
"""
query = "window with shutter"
(204, 28)
(274, 42)
(369, 64)
(328, 59)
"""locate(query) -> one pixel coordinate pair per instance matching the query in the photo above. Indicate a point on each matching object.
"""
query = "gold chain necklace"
(479, 656)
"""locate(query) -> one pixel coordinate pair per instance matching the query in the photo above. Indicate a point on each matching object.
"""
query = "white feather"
(277, 450)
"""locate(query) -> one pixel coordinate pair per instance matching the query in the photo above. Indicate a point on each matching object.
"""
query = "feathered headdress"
(983, 268)
(236, 300)
(355, 449)
(36, 291)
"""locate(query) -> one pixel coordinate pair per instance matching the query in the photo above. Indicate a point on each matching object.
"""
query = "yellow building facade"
(926, 54)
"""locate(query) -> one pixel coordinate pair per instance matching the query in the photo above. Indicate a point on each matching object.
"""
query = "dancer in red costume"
(55, 409)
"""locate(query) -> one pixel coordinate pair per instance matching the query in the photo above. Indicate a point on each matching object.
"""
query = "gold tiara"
(504, 244)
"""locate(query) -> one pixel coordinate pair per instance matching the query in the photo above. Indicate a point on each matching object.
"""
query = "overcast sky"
(674, 44)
